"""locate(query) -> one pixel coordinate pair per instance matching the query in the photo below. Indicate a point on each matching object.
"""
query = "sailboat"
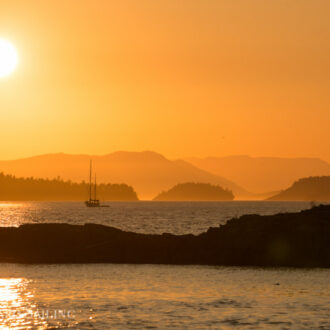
(92, 202)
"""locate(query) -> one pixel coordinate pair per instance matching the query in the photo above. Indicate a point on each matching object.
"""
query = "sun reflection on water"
(10, 204)
(11, 214)
(17, 310)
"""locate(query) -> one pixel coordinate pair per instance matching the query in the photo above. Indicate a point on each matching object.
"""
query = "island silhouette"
(306, 189)
(18, 189)
(191, 191)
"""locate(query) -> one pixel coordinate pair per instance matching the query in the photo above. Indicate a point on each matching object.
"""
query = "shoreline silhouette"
(283, 240)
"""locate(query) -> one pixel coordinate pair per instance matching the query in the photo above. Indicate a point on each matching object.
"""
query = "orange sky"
(188, 77)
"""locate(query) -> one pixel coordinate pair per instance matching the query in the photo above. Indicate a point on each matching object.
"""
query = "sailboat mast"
(95, 188)
(90, 180)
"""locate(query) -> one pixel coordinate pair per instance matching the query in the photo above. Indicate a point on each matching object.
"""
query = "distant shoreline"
(317, 202)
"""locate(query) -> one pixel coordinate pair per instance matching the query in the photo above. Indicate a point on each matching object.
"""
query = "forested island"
(23, 189)
(316, 188)
(191, 191)
(290, 239)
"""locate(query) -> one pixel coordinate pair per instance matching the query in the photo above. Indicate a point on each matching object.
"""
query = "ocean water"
(146, 217)
(106, 296)
(150, 296)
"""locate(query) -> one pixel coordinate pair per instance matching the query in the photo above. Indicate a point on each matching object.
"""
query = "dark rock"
(289, 240)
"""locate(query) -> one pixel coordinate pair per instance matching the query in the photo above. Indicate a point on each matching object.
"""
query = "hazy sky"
(181, 77)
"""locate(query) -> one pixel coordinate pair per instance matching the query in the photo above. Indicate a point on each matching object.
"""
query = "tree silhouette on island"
(23, 189)
(191, 191)
(306, 189)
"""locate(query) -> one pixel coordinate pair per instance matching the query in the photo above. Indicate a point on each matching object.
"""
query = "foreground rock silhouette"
(290, 239)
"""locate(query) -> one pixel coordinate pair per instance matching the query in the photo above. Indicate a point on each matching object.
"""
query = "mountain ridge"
(147, 172)
(261, 174)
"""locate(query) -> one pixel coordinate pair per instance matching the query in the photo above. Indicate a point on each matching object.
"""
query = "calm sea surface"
(146, 217)
(157, 296)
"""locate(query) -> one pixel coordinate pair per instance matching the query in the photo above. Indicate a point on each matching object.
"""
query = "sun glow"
(8, 58)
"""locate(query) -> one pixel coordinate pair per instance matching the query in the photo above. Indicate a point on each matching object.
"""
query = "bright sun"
(8, 58)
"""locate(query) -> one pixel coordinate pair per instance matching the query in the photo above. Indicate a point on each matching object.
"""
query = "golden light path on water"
(17, 310)
(106, 296)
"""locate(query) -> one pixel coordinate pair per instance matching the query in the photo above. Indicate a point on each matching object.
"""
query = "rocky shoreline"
(283, 240)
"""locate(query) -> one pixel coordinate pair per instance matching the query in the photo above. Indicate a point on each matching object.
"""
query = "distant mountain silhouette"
(195, 192)
(18, 189)
(148, 172)
(307, 189)
(262, 174)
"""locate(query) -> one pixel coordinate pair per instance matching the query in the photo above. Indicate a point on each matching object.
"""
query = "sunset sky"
(180, 77)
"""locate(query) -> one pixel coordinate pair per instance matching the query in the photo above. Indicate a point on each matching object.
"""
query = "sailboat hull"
(93, 203)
